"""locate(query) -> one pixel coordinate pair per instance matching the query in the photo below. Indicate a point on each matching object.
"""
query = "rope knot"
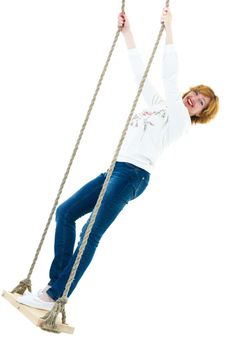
(49, 319)
(22, 286)
(62, 301)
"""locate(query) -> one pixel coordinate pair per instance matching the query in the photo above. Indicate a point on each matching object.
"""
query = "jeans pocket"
(142, 184)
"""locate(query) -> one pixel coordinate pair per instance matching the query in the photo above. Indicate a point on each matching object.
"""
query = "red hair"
(211, 110)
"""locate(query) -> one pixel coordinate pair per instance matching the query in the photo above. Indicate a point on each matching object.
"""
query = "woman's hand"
(166, 18)
(123, 22)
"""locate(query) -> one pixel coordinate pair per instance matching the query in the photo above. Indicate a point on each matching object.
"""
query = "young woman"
(150, 132)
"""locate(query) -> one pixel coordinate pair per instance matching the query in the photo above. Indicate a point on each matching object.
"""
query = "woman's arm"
(149, 93)
(179, 119)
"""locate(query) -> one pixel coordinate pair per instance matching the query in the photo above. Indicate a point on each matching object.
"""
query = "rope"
(21, 287)
(51, 316)
(53, 313)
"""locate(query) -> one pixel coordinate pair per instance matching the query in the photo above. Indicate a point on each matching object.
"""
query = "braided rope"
(54, 312)
(50, 318)
(21, 287)
(112, 166)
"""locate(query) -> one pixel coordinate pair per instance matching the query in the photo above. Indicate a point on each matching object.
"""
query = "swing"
(52, 320)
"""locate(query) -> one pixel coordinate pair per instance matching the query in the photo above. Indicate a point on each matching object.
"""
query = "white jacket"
(164, 121)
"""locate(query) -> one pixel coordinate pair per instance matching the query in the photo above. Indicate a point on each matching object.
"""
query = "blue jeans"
(126, 183)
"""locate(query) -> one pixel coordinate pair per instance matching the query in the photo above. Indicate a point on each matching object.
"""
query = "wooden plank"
(34, 315)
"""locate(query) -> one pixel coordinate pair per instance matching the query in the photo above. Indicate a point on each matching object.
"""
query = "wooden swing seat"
(34, 315)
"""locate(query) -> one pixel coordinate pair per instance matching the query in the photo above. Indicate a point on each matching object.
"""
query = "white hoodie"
(164, 121)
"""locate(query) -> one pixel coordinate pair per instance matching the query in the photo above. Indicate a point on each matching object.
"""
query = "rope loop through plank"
(53, 314)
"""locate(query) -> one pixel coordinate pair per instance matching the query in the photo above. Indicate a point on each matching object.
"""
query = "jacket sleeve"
(179, 119)
(149, 93)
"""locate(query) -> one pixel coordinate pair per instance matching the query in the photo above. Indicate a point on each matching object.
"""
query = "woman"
(149, 133)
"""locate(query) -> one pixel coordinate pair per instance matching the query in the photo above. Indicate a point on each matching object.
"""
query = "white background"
(162, 275)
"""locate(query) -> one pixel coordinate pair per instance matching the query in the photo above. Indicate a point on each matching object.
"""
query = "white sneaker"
(33, 301)
(39, 292)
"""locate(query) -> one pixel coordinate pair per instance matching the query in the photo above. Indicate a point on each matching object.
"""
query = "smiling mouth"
(190, 102)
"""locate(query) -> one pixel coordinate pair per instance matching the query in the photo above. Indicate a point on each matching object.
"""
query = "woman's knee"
(61, 212)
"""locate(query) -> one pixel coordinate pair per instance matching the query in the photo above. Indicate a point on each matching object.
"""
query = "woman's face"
(195, 102)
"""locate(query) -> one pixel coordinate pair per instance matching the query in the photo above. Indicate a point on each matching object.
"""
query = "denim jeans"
(126, 183)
